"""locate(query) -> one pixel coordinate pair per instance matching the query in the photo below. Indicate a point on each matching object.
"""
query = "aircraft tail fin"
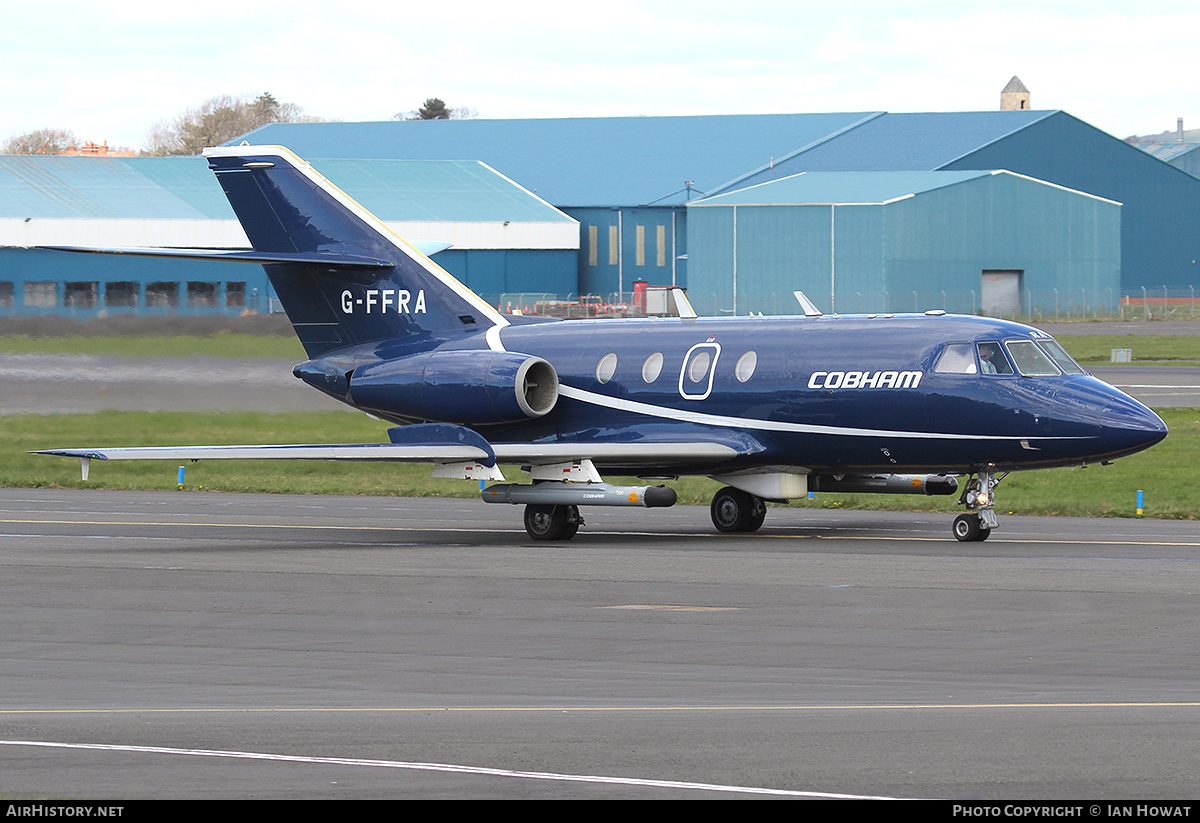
(343, 277)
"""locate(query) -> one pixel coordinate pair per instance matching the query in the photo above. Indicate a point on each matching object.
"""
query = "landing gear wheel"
(734, 510)
(574, 521)
(968, 529)
(758, 513)
(551, 522)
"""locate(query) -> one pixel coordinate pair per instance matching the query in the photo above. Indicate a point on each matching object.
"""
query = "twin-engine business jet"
(771, 407)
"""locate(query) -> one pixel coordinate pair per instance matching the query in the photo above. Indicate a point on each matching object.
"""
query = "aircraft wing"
(377, 452)
(632, 454)
(452, 460)
(446, 444)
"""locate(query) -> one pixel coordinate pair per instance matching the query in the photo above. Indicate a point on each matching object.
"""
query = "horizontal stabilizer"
(426, 247)
(238, 256)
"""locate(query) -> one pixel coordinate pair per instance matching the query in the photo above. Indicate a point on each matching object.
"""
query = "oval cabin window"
(606, 368)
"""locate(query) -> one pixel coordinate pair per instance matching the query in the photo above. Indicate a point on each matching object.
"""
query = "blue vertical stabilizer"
(287, 208)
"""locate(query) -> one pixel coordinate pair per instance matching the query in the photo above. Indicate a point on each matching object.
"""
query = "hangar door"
(1001, 292)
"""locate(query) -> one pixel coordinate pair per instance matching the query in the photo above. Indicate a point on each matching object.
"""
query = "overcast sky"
(110, 71)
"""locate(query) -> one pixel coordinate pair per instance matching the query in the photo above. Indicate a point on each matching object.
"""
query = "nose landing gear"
(977, 495)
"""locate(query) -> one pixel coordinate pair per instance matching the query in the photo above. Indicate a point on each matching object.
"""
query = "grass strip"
(1166, 473)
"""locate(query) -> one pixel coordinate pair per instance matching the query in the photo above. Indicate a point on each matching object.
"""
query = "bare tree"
(217, 120)
(40, 141)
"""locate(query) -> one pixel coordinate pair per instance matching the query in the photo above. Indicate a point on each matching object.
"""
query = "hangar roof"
(627, 161)
(906, 142)
(109, 187)
(1168, 151)
(580, 162)
(840, 188)
(166, 188)
(854, 188)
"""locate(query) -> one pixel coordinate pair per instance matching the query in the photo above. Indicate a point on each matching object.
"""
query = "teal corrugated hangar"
(499, 235)
(627, 180)
(861, 242)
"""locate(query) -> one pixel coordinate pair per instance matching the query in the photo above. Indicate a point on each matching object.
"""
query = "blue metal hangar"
(502, 237)
(628, 180)
(903, 241)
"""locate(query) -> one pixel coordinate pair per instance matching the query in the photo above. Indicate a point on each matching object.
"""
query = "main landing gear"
(552, 522)
(977, 495)
(734, 510)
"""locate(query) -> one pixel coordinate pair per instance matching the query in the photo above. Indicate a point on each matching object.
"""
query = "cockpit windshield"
(1060, 357)
(1031, 361)
(1043, 358)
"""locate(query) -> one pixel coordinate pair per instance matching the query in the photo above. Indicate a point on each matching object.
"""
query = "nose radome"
(1127, 426)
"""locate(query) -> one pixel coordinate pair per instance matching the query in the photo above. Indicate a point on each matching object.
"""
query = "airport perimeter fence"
(1050, 305)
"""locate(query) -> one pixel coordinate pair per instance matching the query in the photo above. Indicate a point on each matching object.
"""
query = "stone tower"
(1015, 96)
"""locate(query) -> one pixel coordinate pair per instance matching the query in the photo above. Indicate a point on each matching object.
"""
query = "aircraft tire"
(732, 510)
(758, 513)
(571, 526)
(551, 522)
(968, 530)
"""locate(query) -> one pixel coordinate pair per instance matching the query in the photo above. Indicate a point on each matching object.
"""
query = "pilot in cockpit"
(991, 361)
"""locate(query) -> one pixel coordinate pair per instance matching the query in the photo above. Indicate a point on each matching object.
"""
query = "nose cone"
(1127, 426)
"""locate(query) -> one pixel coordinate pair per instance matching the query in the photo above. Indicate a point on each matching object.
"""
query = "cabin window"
(606, 368)
(1060, 357)
(992, 359)
(958, 358)
(652, 368)
(744, 369)
(1031, 361)
(698, 366)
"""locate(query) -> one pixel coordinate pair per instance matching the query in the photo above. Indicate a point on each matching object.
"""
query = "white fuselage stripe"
(771, 425)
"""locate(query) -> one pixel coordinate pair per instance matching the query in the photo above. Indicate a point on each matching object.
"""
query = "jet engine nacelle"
(475, 387)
